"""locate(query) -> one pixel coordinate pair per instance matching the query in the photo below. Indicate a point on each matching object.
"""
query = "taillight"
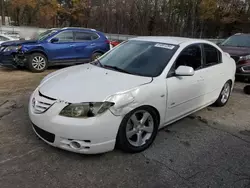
(107, 41)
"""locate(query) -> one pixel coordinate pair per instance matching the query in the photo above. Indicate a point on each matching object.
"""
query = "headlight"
(244, 58)
(85, 110)
(12, 48)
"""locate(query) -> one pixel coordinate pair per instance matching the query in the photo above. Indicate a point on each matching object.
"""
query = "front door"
(185, 93)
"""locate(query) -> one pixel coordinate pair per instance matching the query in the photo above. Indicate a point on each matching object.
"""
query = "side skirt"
(185, 115)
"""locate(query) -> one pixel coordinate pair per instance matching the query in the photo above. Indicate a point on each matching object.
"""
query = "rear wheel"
(37, 62)
(138, 130)
(224, 95)
(96, 55)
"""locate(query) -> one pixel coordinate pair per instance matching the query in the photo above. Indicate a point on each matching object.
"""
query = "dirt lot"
(208, 149)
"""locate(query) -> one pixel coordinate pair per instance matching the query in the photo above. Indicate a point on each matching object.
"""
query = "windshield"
(46, 34)
(237, 41)
(141, 58)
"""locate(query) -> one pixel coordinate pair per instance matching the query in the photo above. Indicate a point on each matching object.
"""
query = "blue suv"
(65, 46)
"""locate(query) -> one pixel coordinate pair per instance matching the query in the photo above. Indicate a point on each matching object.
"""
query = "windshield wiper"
(116, 68)
(97, 63)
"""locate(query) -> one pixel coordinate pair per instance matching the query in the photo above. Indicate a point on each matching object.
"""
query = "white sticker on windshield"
(167, 46)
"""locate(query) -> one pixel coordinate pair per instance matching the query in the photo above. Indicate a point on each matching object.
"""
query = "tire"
(95, 56)
(37, 62)
(224, 95)
(129, 131)
(247, 89)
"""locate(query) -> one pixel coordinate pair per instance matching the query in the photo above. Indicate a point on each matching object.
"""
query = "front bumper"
(7, 61)
(12, 59)
(93, 135)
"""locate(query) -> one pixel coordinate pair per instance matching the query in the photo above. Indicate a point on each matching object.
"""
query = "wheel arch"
(231, 83)
(38, 51)
(98, 51)
(158, 116)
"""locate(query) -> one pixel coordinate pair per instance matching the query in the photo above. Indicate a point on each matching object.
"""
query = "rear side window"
(66, 36)
(212, 55)
(84, 36)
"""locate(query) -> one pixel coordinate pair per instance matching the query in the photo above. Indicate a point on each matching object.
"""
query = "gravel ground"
(208, 149)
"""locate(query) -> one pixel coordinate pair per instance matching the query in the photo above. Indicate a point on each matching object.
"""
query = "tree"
(190, 18)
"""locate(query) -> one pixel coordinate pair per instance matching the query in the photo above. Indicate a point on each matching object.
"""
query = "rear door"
(86, 43)
(214, 72)
(63, 50)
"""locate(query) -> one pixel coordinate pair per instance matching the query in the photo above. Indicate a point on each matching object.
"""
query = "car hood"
(88, 83)
(18, 42)
(236, 51)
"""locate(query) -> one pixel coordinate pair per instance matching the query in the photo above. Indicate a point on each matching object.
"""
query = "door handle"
(72, 45)
(92, 44)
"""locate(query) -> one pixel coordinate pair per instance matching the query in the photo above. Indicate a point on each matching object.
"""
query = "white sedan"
(5, 38)
(124, 97)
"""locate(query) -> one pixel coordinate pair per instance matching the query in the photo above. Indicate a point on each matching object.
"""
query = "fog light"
(75, 145)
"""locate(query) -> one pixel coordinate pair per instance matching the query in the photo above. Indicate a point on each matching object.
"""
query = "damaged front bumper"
(12, 59)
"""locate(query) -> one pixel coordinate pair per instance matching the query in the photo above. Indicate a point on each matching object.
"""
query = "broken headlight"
(12, 48)
(85, 110)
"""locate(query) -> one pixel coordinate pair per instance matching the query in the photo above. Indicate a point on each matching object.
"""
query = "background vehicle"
(4, 38)
(133, 90)
(114, 43)
(238, 46)
(55, 46)
(12, 34)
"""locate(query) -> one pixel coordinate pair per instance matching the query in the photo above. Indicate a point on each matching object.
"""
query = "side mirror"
(184, 71)
(54, 40)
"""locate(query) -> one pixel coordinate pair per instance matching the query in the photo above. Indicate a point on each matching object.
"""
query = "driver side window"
(66, 36)
(190, 56)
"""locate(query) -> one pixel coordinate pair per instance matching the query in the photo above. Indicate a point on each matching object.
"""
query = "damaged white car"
(124, 98)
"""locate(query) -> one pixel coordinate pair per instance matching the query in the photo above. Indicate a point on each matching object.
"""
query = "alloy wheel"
(38, 62)
(225, 93)
(140, 127)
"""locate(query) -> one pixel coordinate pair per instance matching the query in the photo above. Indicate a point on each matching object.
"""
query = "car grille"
(42, 103)
(49, 137)
(236, 58)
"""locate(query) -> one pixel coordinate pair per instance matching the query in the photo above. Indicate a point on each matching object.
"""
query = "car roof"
(168, 40)
(242, 34)
(78, 28)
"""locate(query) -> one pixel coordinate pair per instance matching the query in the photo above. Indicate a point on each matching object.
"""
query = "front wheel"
(138, 130)
(37, 62)
(224, 95)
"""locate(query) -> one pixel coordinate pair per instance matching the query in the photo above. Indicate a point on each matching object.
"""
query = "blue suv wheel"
(37, 62)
